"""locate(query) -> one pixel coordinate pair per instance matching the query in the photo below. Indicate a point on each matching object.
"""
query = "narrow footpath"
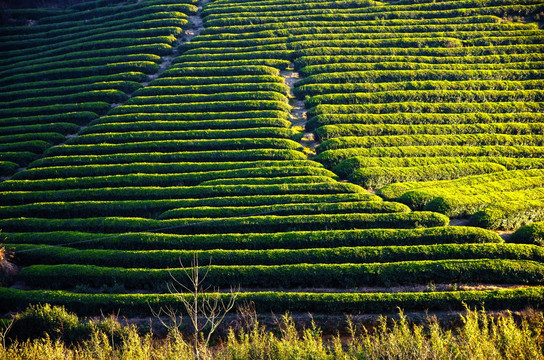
(196, 24)
(298, 115)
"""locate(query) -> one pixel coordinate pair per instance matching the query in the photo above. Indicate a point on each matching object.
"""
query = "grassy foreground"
(478, 336)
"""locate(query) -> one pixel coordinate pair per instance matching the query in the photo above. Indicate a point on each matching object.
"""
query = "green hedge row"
(427, 96)
(33, 146)
(462, 205)
(430, 140)
(59, 128)
(157, 49)
(488, 271)
(420, 107)
(279, 64)
(41, 173)
(530, 234)
(174, 145)
(222, 8)
(215, 80)
(41, 85)
(359, 7)
(151, 156)
(303, 61)
(413, 66)
(124, 86)
(7, 168)
(422, 51)
(21, 158)
(50, 137)
(502, 181)
(110, 96)
(500, 11)
(331, 131)
(173, 192)
(423, 119)
(50, 255)
(192, 98)
(357, 38)
(509, 215)
(168, 125)
(376, 177)
(279, 240)
(482, 193)
(56, 44)
(234, 43)
(79, 118)
(218, 71)
(155, 17)
(156, 208)
(162, 209)
(331, 158)
(190, 117)
(169, 179)
(102, 44)
(103, 14)
(318, 89)
(258, 200)
(339, 27)
(279, 47)
(146, 67)
(95, 107)
(189, 135)
(236, 56)
(386, 76)
(340, 22)
(346, 167)
(20, 40)
(216, 106)
(248, 224)
(152, 208)
(288, 209)
(269, 180)
(324, 303)
(213, 89)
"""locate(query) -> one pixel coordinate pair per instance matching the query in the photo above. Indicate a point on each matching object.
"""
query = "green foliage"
(530, 234)
(333, 131)
(331, 158)
(7, 168)
(346, 167)
(376, 177)
(292, 276)
(331, 303)
(50, 172)
(509, 215)
(249, 224)
(279, 240)
(430, 140)
(235, 144)
(427, 119)
(174, 156)
(29, 254)
(38, 321)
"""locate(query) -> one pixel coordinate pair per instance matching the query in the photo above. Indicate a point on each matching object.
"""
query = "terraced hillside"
(67, 70)
(211, 157)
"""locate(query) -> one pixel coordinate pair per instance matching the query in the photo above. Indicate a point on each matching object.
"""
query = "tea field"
(313, 151)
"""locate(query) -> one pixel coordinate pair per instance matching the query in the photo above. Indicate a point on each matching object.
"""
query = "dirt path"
(298, 115)
(196, 24)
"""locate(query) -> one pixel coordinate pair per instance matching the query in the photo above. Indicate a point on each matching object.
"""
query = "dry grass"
(480, 336)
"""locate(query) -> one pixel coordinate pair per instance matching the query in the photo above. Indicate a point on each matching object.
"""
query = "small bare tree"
(206, 309)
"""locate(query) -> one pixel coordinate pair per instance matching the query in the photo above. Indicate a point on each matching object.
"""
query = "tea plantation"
(313, 151)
